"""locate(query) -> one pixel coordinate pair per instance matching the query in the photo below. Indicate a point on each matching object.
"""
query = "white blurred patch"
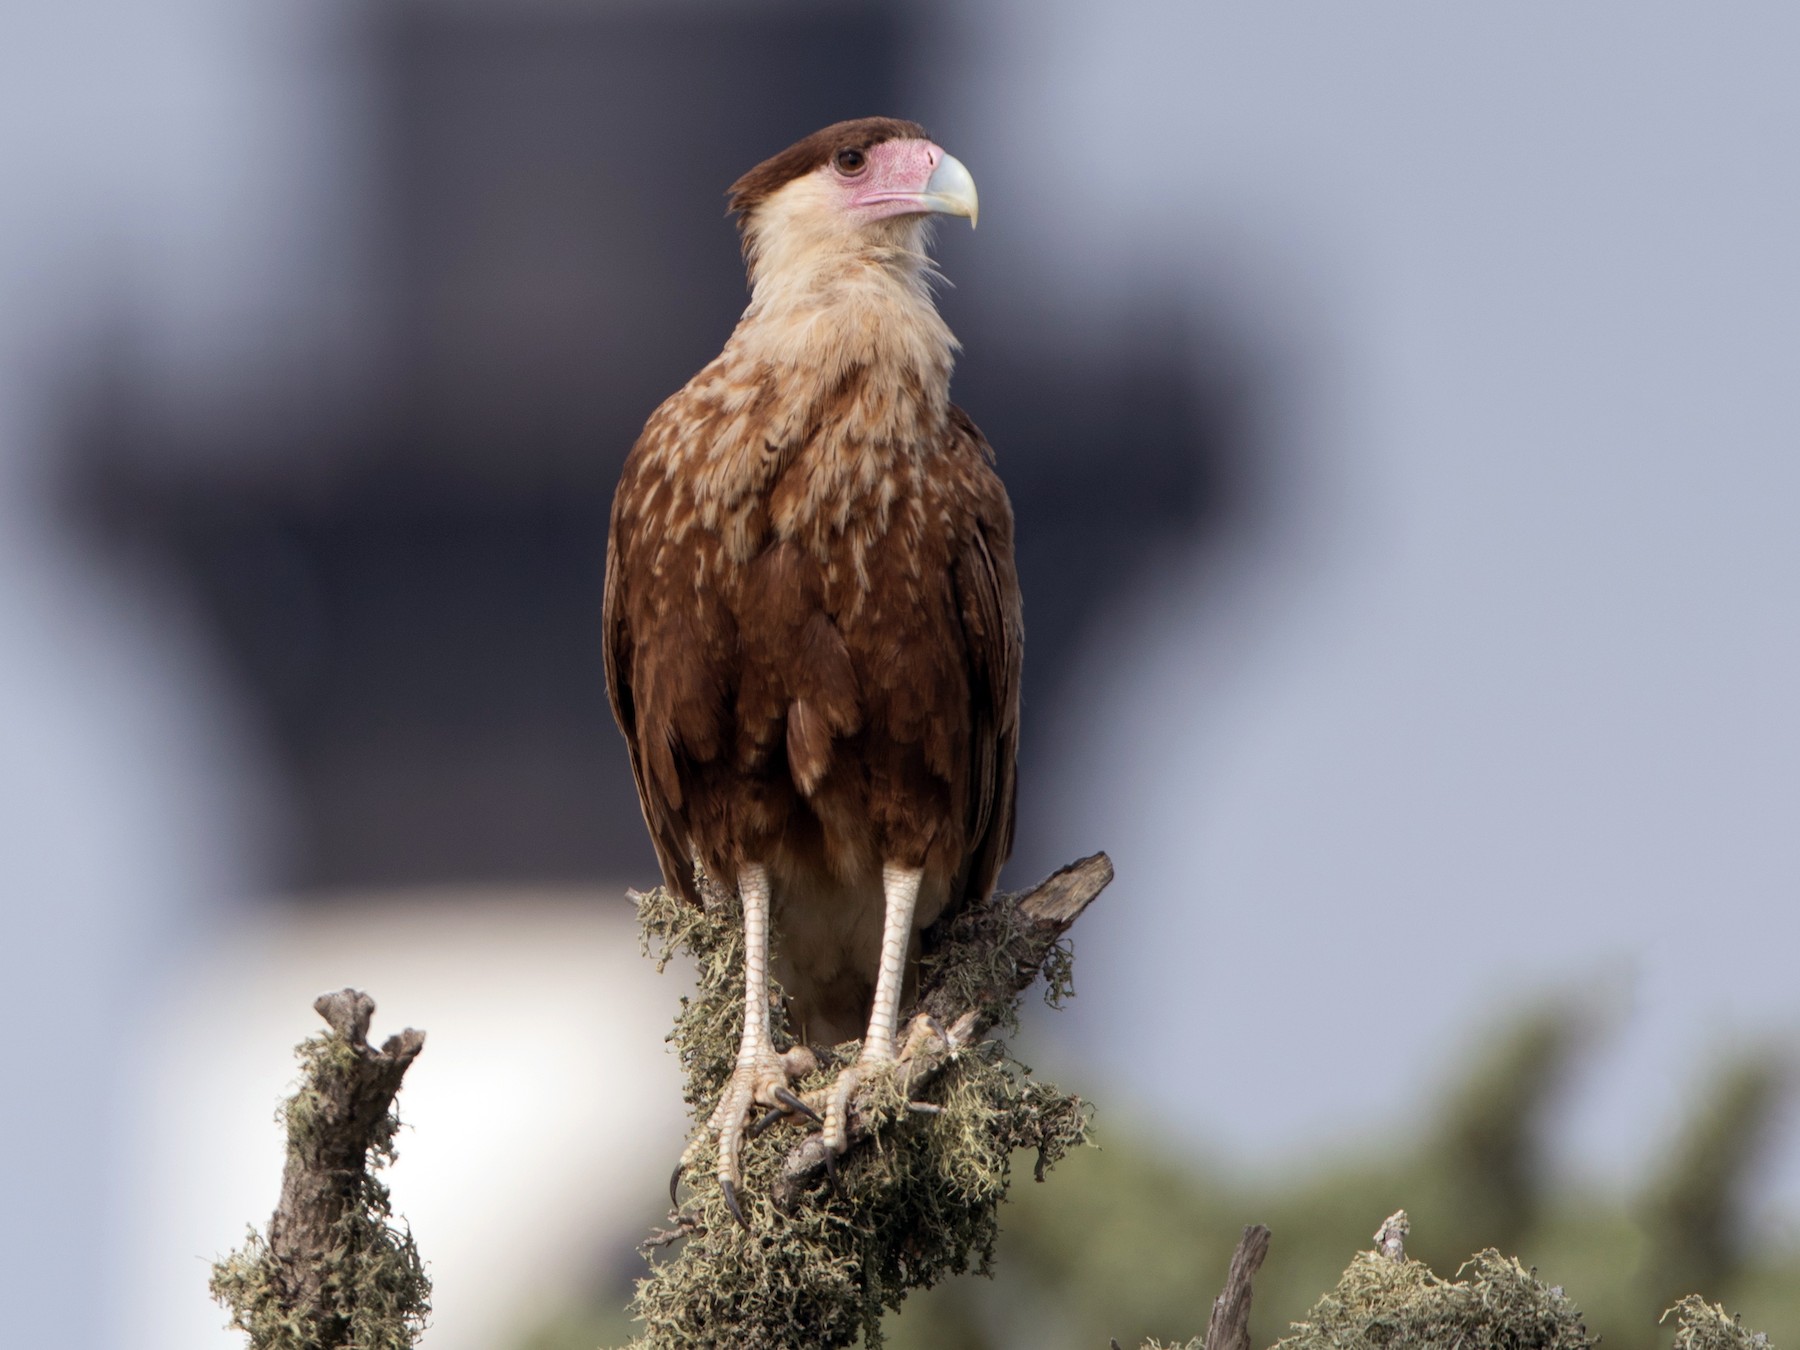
(541, 1120)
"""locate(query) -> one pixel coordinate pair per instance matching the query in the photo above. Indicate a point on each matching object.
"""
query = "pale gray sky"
(1507, 700)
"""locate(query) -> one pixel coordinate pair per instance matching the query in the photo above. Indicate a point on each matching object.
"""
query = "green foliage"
(373, 1287)
(1693, 1212)
(917, 1207)
(1486, 1151)
(580, 1324)
(1134, 1239)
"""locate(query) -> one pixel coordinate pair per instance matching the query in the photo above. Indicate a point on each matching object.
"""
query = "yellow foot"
(758, 1081)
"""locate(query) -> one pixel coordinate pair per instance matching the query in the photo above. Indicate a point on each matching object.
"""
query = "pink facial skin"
(893, 180)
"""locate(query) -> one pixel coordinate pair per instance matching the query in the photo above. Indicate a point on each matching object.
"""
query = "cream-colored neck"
(828, 294)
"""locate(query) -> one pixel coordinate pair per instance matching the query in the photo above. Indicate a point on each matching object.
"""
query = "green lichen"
(915, 1206)
(1402, 1305)
(1493, 1304)
(374, 1294)
(976, 954)
(1707, 1326)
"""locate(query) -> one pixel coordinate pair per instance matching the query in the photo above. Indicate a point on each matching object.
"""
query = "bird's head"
(863, 190)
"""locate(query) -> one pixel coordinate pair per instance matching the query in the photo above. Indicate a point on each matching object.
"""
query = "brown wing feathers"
(906, 699)
(993, 626)
(812, 619)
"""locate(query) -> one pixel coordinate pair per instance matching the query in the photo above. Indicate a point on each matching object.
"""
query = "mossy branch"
(333, 1271)
(917, 1194)
(983, 961)
(1388, 1300)
(917, 1203)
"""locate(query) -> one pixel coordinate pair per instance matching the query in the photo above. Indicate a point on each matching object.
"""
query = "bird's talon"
(755, 1097)
(731, 1203)
(768, 1118)
(675, 1181)
(798, 1106)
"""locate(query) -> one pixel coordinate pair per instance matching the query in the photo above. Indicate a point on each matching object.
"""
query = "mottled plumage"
(813, 625)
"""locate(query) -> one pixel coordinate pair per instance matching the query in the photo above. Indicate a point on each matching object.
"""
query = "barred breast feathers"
(841, 357)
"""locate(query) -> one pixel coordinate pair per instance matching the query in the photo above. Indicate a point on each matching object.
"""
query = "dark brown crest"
(803, 157)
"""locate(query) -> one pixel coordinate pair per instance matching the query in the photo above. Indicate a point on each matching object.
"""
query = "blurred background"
(1401, 408)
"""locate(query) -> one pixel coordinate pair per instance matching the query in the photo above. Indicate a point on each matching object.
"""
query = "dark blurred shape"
(1695, 1210)
(1109, 460)
(409, 590)
(1488, 1146)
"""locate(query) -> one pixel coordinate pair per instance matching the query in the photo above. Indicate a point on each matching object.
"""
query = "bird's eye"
(850, 162)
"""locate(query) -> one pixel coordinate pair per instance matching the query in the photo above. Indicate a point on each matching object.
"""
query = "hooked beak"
(950, 190)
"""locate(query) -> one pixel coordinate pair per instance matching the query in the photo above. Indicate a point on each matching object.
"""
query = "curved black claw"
(793, 1103)
(731, 1203)
(831, 1166)
(675, 1182)
(768, 1118)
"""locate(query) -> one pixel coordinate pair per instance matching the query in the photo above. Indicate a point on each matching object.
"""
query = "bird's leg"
(761, 1076)
(900, 890)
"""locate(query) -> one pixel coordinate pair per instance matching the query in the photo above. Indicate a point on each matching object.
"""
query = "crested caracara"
(813, 625)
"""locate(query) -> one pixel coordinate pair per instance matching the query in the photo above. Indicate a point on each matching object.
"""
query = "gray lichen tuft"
(335, 1270)
(1401, 1305)
(375, 1279)
(1707, 1326)
(1387, 1302)
(914, 1205)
